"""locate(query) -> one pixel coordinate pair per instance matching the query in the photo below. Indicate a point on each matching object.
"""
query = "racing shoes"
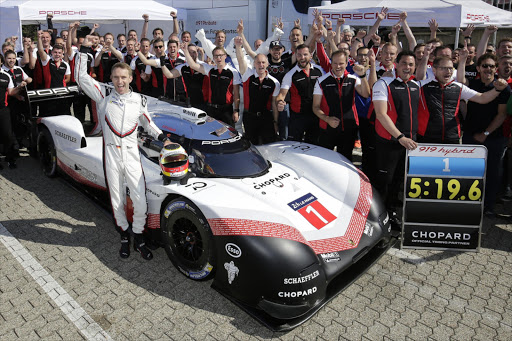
(124, 251)
(139, 245)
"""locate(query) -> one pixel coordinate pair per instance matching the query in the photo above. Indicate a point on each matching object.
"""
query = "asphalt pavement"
(61, 279)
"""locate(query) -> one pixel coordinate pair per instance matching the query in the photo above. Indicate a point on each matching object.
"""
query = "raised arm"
(393, 36)
(145, 26)
(433, 25)
(276, 35)
(145, 61)
(372, 76)
(421, 69)
(339, 24)
(174, 73)
(488, 96)
(411, 40)
(245, 43)
(362, 89)
(482, 44)
(71, 36)
(91, 87)
(206, 44)
(175, 23)
(40, 50)
(242, 65)
(461, 68)
(190, 61)
(373, 30)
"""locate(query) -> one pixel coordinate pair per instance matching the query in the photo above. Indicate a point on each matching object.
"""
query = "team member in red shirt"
(223, 91)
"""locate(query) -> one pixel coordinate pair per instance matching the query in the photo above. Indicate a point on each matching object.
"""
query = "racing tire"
(188, 239)
(46, 153)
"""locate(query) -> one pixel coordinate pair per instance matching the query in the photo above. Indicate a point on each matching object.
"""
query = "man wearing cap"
(278, 67)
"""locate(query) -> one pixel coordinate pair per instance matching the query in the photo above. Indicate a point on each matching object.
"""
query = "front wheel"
(188, 239)
(46, 152)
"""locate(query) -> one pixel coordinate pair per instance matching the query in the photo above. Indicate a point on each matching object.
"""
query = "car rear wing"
(43, 95)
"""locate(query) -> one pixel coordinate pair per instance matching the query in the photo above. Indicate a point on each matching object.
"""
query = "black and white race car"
(280, 228)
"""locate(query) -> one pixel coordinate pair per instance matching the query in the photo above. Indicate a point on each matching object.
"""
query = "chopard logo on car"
(233, 250)
(297, 293)
(219, 142)
(303, 279)
(65, 136)
(272, 181)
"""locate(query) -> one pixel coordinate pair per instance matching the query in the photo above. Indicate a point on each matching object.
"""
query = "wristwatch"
(486, 133)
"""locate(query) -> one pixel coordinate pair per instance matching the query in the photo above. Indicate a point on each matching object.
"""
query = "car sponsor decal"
(77, 176)
(232, 270)
(198, 186)
(201, 273)
(276, 181)
(233, 250)
(303, 279)
(330, 257)
(246, 227)
(311, 209)
(293, 294)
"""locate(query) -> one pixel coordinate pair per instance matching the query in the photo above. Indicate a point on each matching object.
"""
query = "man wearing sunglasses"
(483, 122)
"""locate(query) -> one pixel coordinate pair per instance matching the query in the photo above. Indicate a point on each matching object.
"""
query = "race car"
(280, 228)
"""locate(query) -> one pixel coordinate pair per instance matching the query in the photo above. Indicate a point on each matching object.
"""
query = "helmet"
(173, 161)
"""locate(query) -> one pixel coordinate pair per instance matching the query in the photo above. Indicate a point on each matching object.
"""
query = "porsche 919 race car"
(280, 228)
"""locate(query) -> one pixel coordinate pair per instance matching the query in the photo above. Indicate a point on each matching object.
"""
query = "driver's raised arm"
(91, 87)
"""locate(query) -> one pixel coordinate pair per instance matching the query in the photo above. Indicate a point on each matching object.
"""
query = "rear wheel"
(46, 152)
(188, 239)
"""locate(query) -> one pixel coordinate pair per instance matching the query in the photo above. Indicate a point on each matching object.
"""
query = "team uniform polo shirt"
(438, 116)
(403, 99)
(5, 83)
(381, 69)
(53, 74)
(479, 116)
(105, 68)
(220, 89)
(158, 80)
(71, 57)
(38, 69)
(17, 74)
(258, 95)
(138, 68)
(194, 83)
(175, 86)
(338, 96)
(301, 86)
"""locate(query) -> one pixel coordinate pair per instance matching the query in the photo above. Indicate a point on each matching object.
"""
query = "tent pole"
(457, 32)
(494, 38)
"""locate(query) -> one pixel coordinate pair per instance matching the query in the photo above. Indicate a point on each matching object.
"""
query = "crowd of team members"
(336, 87)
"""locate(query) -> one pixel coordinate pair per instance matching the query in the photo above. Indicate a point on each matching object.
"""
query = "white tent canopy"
(14, 13)
(448, 13)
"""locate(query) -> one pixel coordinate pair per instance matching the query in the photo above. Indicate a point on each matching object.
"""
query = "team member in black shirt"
(6, 136)
(483, 123)
(300, 81)
(260, 91)
(142, 81)
(396, 105)
(223, 93)
(334, 104)
(193, 81)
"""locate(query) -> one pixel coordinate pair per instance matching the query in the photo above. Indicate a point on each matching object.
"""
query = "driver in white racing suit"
(120, 112)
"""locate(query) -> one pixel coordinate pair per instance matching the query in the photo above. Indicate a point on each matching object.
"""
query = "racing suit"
(119, 116)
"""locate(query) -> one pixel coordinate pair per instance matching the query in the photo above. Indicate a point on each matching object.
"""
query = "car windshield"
(235, 158)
